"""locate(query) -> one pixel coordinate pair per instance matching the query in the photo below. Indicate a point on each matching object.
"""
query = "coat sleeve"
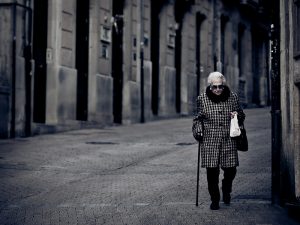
(241, 115)
(197, 127)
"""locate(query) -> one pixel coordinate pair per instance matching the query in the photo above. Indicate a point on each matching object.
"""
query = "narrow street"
(131, 174)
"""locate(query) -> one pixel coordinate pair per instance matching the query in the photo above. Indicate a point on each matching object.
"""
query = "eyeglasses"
(215, 87)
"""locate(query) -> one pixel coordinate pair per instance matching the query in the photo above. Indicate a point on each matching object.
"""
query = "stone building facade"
(78, 63)
(289, 76)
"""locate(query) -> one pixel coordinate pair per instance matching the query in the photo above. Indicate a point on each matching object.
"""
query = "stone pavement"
(133, 174)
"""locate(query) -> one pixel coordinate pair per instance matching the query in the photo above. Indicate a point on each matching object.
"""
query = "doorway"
(117, 60)
(224, 20)
(178, 66)
(40, 22)
(199, 19)
(256, 66)
(82, 58)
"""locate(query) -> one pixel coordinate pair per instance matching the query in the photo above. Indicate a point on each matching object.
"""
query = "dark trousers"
(213, 182)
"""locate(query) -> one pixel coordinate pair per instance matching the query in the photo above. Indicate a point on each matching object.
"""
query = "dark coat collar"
(218, 98)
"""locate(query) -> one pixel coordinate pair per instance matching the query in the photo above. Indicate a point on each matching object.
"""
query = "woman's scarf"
(218, 98)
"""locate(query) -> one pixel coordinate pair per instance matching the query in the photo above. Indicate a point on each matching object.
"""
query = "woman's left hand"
(232, 114)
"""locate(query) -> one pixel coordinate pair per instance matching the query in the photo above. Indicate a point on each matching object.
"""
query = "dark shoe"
(214, 206)
(226, 199)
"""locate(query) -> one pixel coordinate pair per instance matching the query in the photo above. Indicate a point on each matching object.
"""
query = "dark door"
(178, 67)
(223, 28)
(198, 54)
(155, 9)
(28, 70)
(199, 20)
(256, 66)
(224, 20)
(117, 60)
(82, 58)
(39, 55)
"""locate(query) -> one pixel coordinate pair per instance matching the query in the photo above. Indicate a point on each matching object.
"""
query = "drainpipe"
(213, 35)
(142, 86)
(13, 79)
(275, 105)
(28, 69)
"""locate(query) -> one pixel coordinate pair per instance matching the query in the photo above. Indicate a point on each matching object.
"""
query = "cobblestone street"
(131, 174)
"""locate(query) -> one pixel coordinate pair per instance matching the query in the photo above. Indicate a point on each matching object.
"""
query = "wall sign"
(171, 39)
(105, 34)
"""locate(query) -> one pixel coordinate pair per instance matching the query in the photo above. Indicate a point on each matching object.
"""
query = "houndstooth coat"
(217, 148)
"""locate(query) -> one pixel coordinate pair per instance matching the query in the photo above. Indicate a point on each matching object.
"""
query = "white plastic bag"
(234, 127)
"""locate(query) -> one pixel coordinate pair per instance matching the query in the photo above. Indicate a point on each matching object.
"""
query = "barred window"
(296, 28)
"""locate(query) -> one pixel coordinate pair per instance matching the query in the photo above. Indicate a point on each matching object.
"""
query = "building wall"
(188, 62)
(207, 41)
(132, 61)
(290, 99)
(167, 72)
(62, 74)
(5, 70)
(100, 82)
(14, 38)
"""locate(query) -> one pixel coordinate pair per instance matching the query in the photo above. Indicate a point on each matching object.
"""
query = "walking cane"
(198, 165)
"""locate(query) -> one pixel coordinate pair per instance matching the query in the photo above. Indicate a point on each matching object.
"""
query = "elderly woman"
(211, 126)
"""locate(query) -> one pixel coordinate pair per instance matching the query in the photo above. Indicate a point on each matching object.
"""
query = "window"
(104, 52)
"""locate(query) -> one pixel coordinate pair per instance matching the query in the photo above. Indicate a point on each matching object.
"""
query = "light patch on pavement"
(141, 204)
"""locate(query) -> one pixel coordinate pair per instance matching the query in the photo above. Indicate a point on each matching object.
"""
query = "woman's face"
(217, 86)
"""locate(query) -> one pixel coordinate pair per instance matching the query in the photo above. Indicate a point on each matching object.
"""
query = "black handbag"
(242, 140)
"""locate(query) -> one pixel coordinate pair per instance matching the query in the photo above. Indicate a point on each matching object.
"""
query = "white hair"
(215, 76)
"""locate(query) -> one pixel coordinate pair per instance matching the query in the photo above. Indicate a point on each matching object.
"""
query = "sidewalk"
(134, 174)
